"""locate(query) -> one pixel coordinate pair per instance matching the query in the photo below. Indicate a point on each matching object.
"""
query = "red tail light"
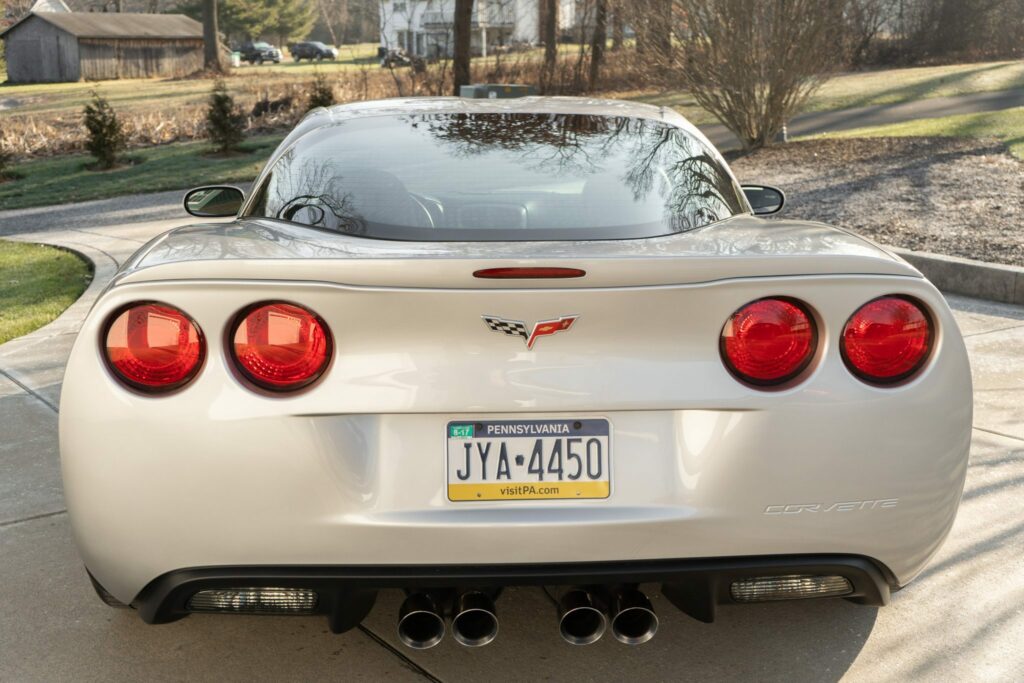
(769, 341)
(887, 340)
(281, 346)
(154, 348)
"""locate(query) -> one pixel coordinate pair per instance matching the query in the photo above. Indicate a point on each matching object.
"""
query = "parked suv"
(257, 53)
(312, 50)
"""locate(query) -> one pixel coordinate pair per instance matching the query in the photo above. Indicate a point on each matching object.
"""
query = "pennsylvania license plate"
(529, 459)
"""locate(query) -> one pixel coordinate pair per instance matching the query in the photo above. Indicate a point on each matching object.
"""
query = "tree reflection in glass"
(499, 176)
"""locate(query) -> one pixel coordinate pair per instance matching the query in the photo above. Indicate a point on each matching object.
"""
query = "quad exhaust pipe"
(633, 618)
(421, 623)
(583, 616)
(475, 623)
(581, 619)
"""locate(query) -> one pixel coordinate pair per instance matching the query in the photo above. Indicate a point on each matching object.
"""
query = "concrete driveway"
(962, 620)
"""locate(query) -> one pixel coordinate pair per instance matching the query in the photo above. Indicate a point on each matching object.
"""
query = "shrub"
(322, 94)
(753, 64)
(6, 157)
(107, 138)
(224, 122)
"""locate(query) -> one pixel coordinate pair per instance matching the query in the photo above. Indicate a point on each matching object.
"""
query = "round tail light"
(769, 341)
(280, 346)
(887, 340)
(153, 347)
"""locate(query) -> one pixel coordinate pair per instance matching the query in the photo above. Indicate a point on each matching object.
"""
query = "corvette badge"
(516, 328)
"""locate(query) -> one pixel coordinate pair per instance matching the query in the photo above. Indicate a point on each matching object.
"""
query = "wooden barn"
(74, 46)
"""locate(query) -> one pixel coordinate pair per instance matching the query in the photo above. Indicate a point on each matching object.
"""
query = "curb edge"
(979, 279)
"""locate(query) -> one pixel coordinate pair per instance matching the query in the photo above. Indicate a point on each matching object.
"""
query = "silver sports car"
(449, 346)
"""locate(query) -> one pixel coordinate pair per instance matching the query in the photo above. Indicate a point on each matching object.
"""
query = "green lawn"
(67, 99)
(1006, 125)
(36, 284)
(885, 86)
(854, 89)
(181, 165)
(893, 86)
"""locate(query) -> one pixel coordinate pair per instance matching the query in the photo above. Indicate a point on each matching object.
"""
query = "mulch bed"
(957, 196)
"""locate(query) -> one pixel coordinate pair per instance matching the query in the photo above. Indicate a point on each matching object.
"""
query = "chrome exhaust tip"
(633, 617)
(420, 622)
(580, 619)
(475, 623)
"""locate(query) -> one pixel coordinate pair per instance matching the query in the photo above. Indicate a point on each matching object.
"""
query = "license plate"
(529, 459)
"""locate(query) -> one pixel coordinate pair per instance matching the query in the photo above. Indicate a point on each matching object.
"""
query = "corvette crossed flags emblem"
(517, 328)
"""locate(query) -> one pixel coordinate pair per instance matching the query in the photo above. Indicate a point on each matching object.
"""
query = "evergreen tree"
(291, 19)
(107, 138)
(224, 122)
(236, 19)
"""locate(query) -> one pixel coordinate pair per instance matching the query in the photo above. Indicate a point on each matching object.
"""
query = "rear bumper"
(346, 594)
(352, 472)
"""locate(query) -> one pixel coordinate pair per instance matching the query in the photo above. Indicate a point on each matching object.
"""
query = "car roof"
(524, 105)
(399, 106)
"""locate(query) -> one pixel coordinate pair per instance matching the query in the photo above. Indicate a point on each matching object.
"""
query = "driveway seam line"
(32, 518)
(31, 392)
(401, 655)
(1001, 329)
(105, 236)
(1002, 434)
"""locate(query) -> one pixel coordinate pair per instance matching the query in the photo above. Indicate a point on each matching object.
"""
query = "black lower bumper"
(346, 594)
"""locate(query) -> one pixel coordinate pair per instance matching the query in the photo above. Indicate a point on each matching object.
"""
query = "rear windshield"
(440, 177)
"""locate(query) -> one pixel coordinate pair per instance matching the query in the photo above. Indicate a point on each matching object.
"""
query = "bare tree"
(598, 40)
(549, 33)
(659, 27)
(652, 26)
(461, 54)
(864, 20)
(333, 13)
(941, 28)
(754, 63)
(211, 38)
(618, 26)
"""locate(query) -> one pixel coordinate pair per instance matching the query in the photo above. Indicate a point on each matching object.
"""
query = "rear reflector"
(791, 587)
(528, 273)
(255, 600)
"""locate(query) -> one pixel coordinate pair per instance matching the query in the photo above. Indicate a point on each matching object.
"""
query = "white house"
(424, 27)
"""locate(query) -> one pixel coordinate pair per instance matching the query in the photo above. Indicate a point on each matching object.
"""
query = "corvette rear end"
(276, 415)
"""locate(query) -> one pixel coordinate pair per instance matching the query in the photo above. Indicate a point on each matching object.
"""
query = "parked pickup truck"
(257, 53)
